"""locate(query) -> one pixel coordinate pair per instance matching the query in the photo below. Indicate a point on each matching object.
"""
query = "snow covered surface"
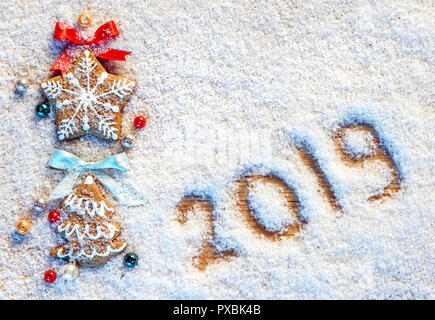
(269, 206)
(228, 86)
(358, 144)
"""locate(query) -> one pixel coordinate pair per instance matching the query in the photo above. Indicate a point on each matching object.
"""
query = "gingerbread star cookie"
(91, 236)
(88, 99)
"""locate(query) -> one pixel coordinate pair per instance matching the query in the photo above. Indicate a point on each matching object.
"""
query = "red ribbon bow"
(64, 32)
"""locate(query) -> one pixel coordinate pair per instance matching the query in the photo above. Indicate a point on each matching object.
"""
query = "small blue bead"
(130, 260)
(42, 110)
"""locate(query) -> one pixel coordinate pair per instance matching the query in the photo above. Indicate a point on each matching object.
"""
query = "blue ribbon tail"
(65, 187)
(126, 195)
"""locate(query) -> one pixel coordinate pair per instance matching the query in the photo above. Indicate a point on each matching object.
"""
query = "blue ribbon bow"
(67, 161)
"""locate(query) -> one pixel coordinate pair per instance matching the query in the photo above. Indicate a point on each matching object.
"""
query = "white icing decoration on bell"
(83, 205)
(69, 229)
(89, 180)
(94, 253)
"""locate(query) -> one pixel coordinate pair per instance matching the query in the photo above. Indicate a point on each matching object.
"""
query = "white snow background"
(279, 70)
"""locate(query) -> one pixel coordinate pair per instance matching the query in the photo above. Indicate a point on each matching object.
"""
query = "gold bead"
(23, 226)
(84, 20)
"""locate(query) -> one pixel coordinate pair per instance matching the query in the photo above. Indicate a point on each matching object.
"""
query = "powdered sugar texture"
(358, 144)
(269, 206)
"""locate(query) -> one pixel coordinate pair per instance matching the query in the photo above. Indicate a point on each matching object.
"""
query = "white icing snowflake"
(88, 99)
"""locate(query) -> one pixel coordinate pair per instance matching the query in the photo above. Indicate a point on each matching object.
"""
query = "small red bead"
(50, 276)
(140, 122)
(54, 216)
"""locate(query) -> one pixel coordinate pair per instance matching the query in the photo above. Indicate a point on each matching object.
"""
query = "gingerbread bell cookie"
(90, 234)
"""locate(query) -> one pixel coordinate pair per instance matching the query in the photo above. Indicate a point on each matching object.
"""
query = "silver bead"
(128, 141)
(39, 205)
(69, 272)
(21, 86)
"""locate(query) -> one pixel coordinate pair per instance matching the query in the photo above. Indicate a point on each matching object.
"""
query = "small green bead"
(130, 260)
(42, 110)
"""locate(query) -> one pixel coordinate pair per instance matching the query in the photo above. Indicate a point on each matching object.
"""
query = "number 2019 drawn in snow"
(208, 253)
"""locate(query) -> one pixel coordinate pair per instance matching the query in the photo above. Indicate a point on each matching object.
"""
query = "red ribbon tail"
(62, 63)
(114, 54)
(105, 31)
